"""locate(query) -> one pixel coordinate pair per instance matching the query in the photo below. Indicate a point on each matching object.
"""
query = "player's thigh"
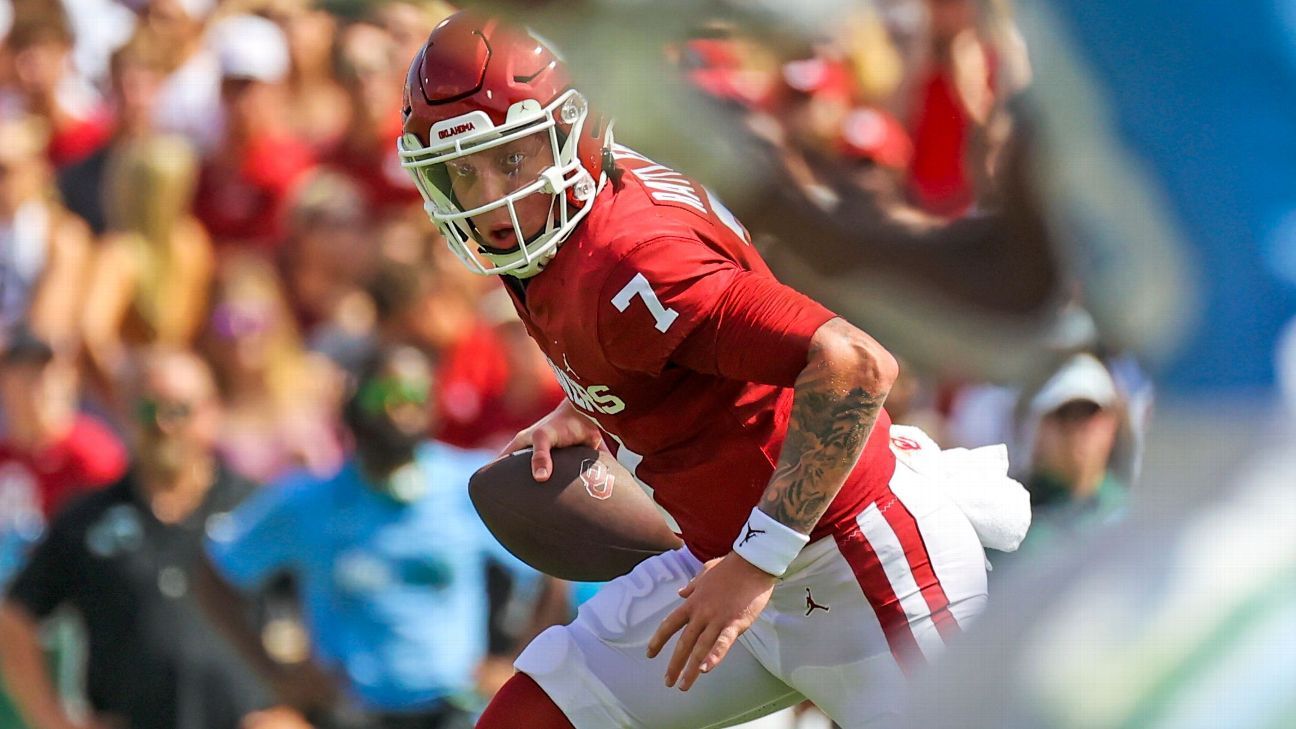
(863, 610)
(821, 635)
(597, 670)
(958, 561)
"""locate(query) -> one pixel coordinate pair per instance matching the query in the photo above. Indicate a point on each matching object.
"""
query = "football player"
(754, 414)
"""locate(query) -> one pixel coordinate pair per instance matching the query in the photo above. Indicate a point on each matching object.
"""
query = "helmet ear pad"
(594, 141)
(593, 150)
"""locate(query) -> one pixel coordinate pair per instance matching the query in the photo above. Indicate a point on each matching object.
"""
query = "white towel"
(976, 480)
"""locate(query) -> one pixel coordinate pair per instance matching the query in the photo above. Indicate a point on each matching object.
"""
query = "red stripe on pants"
(915, 548)
(864, 562)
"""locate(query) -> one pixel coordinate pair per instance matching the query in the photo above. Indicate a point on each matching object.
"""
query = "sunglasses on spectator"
(156, 412)
(379, 395)
(232, 322)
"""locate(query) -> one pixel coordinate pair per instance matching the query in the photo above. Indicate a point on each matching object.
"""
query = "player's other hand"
(720, 604)
(565, 426)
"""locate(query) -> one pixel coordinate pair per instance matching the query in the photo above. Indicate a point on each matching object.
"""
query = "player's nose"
(495, 185)
(491, 219)
(484, 190)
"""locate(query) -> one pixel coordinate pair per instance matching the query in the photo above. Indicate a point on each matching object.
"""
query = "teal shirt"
(393, 592)
(1057, 520)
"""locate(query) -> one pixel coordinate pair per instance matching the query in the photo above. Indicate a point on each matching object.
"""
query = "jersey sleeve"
(678, 301)
(261, 537)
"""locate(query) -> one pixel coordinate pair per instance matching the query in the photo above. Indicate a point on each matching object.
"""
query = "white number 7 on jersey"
(638, 286)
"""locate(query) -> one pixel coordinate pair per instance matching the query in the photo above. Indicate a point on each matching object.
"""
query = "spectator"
(1073, 421)
(152, 274)
(417, 304)
(388, 553)
(49, 455)
(317, 103)
(41, 43)
(953, 98)
(328, 255)
(247, 182)
(43, 249)
(818, 92)
(823, 117)
(478, 399)
(122, 558)
(371, 71)
(189, 100)
(408, 23)
(138, 73)
(272, 389)
(49, 452)
(409, 237)
(99, 27)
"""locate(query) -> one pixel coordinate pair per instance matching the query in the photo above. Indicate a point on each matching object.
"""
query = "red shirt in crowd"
(245, 200)
(938, 177)
(79, 138)
(89, 457)
(376, 168)
(474, 410)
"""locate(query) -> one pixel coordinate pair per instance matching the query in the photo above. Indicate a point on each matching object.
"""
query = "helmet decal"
(473, 121)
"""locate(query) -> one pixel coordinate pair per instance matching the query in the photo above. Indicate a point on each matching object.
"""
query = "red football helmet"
(478, 84)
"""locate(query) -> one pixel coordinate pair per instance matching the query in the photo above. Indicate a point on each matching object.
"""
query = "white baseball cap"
(1084, 378)
(250, 47)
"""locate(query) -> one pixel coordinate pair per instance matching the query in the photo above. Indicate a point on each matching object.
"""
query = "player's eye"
(512, 162)
(461, 170)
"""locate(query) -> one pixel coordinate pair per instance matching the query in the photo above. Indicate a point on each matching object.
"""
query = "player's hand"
(565, 426)
(720, 604)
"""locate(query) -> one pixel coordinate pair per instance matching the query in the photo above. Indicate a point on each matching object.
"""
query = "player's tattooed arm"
(837, 399)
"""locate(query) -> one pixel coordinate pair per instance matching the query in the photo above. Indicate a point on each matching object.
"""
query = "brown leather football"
(589, 522)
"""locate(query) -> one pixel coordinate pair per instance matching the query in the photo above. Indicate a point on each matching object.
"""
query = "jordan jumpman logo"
(811, 605)
(750, 533)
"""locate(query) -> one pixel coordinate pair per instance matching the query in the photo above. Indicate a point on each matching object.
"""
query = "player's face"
(482, 178)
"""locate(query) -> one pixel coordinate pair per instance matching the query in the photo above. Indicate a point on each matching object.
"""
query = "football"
(590, 522)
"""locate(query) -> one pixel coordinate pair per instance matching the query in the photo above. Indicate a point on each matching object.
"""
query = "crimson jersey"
(663, 324)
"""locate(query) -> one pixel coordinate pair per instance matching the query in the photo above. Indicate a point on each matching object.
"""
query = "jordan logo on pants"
(812, 606)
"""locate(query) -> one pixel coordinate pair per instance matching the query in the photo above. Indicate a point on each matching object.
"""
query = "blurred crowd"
(205, 234)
